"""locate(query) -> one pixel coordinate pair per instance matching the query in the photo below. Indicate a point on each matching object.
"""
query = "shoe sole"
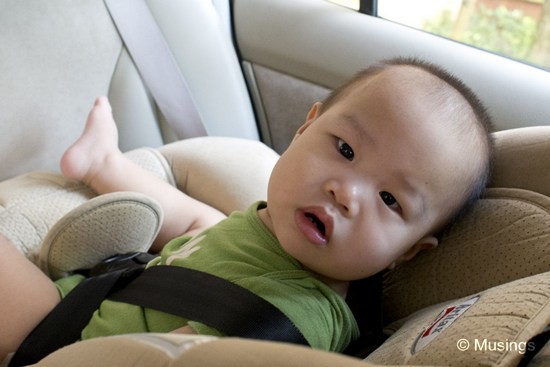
(104, 226)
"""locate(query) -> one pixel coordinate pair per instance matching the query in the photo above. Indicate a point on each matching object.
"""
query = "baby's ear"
(314, 111)
(426, 243)
(312, 115)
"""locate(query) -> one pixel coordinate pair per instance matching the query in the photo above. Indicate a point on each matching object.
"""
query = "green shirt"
(242, 250)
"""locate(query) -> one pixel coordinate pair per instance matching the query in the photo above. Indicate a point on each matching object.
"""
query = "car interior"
(253, 69)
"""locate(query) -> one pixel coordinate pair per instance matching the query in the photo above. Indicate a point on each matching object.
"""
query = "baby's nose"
(346, 195)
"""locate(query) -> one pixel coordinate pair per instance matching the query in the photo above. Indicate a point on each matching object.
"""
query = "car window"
(519, 29)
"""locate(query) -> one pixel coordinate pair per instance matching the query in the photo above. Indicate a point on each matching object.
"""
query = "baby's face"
(364, 181)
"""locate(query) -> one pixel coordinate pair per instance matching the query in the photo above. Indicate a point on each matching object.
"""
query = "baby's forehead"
(405, 85)
(411, 81)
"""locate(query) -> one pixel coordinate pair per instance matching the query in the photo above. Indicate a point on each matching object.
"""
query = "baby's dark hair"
(479, 130)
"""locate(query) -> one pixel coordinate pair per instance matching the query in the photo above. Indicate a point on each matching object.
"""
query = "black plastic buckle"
(130, 262)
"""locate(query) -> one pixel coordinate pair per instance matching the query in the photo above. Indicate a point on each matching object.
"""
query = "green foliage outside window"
(506, 31)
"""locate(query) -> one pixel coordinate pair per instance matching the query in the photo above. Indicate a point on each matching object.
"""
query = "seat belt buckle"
(130, 262)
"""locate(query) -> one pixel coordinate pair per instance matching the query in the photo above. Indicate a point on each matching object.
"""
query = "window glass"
(516, 28)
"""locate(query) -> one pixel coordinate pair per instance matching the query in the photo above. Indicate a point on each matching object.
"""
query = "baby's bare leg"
(27, 297)
(96, 160)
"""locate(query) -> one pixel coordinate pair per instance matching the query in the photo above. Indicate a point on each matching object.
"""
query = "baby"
(370, 179)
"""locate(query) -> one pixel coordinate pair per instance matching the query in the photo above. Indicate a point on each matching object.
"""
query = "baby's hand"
(184, 330)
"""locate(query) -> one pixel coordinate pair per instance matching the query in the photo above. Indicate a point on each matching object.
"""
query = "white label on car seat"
(442, 322)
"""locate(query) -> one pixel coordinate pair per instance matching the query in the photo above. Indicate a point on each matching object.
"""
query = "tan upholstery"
(165, 350)
(494, 331)
(522, 159)
(227, 173)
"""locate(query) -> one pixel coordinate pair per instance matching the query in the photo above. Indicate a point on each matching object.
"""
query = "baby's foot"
(98, 142)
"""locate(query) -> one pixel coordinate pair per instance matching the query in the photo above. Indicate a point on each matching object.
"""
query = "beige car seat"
(57, 56)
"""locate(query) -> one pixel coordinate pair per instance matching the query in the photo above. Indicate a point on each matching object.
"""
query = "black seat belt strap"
(233, 310)
(157, 66)
(229, 308)
(64, 324)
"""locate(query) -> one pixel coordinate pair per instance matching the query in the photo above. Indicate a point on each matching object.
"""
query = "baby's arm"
(96, 160)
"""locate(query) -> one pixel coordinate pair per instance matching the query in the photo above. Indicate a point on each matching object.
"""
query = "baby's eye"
(390, 201)
(345, 150)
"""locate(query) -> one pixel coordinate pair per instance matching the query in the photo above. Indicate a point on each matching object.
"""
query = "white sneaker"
(104, 226)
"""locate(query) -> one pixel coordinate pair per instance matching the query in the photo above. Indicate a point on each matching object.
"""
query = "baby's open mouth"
(317, 222)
